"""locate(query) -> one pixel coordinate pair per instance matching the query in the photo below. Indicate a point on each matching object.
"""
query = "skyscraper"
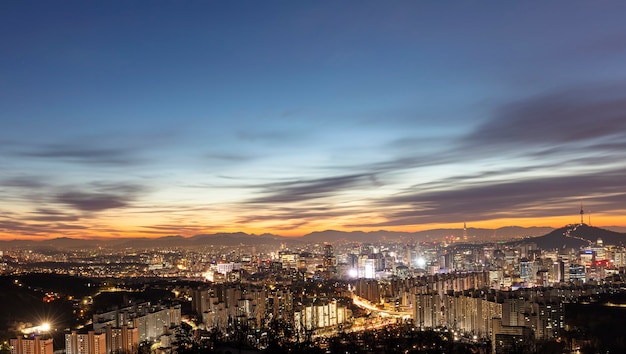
(464, 232)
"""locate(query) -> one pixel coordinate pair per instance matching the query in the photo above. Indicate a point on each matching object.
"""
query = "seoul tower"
(582, 213)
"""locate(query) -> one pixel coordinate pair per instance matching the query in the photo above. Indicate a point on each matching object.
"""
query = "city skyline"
(152, 118)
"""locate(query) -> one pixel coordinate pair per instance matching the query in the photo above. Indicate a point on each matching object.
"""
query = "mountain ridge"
(569, 236)
(239, 238)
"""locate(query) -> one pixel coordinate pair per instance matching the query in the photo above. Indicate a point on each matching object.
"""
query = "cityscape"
(312, 177)
(238, 292)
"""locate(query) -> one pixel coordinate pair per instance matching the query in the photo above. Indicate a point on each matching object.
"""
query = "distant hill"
(474, 234)
(218, 239)
(241, 238)
(576, 236)
(621, 229)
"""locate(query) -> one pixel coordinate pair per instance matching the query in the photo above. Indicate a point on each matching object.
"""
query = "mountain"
(474, 234)
(165, 242)
(238, 238)
(576, 236)
(241, 238)
(219, 239)
(621, 229)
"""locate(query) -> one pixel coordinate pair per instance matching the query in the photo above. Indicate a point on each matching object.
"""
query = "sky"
(153, 118)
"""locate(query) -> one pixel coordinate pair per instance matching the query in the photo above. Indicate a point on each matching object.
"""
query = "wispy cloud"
(29, 228)
(82, 153)
(106, 197)
(303, 190)
(230, 157)
(524, 198)
(305, 213)
(569, 116)
(105, 149)
(29, 182)
(575, 136)
(51, 215)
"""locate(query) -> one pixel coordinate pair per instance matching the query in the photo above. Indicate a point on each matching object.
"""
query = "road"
(365, 304)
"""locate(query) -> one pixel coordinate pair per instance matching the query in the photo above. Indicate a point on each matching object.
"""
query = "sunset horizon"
(492, 225)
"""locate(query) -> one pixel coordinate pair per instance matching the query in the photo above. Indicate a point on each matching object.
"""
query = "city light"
(353, 273)
(42, 328)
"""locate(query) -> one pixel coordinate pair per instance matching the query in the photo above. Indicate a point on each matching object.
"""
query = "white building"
(320, 313)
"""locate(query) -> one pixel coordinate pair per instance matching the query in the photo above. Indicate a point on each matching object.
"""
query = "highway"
(365, 304)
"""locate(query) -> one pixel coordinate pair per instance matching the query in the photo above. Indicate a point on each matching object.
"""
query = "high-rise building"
(577, 272)
(150, 320)
(34, 345)
(427, 310)
(527, 270)
(319, 313)
(511, 339)
(330, 262)
(122, 340)
(329, 256)
(558, 271)
(464, 232)
(85, 343)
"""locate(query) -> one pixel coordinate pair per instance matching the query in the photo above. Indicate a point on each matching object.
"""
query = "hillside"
(241, 238)
(576, 236)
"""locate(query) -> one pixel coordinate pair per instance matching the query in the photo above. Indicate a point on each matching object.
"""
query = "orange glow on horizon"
(128, 231)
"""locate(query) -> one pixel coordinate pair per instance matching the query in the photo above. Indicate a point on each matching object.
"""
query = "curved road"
(572, 228)
(365, 304)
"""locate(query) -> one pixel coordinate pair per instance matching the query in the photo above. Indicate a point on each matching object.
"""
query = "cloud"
(302, 190)
(289, 226)
(563, 117)
(23, 182)
(50, 215)
(92, 201)
(23, 228)
(180, 228)
(229, 157)
(273, 138)
(306, 212)
(532, 197)
(574, 135)
(108, 196)
(62, 226)
(119, 149)
(584, 119)
(83, 153)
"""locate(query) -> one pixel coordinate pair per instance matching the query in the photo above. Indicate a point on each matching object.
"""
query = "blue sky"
(154, 117)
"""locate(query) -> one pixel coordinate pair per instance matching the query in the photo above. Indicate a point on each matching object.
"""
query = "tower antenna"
(582, 213)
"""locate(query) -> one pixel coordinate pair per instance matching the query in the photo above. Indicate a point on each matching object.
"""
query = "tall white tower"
(464, 231)
(582, 213)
